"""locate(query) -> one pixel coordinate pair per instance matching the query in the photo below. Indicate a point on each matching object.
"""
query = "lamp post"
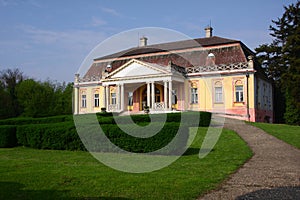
(247, 85)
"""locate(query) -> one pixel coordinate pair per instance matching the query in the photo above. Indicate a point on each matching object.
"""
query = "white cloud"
(69, 39)
(43, 53)
(111, 11)
(8, 3)
(98, 22)
(18, 3)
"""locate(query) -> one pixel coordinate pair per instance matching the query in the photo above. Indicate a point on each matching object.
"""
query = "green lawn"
(288, 133)
(50, 174)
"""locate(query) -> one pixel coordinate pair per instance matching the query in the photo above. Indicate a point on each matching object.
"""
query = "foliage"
(8, 136)
(189, 118)
(59, 132)
(30, 120)
(21, 96)
(151, 144)
(288, 133)
(63, 136)
(59, 136)
(40, 99)
(281, 59)
(9, 79)
(34, 174)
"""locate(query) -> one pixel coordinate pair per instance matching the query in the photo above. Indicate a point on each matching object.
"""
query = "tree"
(36, 98)
(6, 107)
(41, 99)
(9, 80)
(63, 93)
(281, 60)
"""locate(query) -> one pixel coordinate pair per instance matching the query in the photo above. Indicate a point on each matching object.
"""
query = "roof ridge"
(169, 46)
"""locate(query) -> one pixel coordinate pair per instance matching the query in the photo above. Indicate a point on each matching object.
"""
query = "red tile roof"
(226, 51)
(171, 46)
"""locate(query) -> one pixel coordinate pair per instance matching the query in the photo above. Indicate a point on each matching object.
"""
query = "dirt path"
(272, 173)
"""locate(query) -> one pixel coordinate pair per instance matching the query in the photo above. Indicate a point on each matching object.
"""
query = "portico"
(138, 84)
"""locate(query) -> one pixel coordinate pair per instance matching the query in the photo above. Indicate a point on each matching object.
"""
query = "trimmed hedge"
(150, 144)
(8, 136)
(205, 117)
(60, 136)
(60, 133)
(63, 136)
(29, 120)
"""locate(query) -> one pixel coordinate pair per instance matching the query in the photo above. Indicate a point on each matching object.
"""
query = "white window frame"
(83, 100)
(113, 98)
(218, 94)
(194, 95)
(239, 93)
(96, 100)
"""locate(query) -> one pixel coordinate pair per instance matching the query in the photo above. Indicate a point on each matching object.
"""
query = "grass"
(288, 133)
(49, 174)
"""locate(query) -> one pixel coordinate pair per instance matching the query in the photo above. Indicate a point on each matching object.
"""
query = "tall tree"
(281, 60)
(9, 79)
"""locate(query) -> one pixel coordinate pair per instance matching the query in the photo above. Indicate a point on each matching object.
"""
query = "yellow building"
(212, 74)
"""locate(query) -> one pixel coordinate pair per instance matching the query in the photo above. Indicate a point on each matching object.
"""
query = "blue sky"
(50, 39)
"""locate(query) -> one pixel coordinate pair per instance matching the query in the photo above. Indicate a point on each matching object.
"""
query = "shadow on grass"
(287, 193)
(195, 151)
(13, 190)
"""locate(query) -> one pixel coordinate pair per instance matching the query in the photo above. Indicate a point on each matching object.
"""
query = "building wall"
(207, 100)
(89, 91)
(259, 91)
(263, 101)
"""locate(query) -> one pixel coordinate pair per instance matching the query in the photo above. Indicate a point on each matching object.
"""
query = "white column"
(152, 94)
(122, 97)
(118, 97)
(148, 94)
(104, 96)
(107, 96)
(170, 95)
(76, 100)
(166, 94)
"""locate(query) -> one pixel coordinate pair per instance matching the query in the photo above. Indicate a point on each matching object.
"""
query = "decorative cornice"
(217, 68)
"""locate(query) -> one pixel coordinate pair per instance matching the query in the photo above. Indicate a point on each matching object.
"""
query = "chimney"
(143, 41)
(208, 31)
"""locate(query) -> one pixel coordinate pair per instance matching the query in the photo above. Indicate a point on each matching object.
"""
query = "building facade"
(211, 74)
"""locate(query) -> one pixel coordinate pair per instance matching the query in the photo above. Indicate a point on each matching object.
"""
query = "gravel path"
(272, 173)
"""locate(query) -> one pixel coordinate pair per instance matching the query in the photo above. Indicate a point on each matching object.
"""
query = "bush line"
(60, 132)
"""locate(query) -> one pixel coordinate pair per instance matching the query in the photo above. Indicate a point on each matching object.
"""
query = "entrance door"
(157, 98)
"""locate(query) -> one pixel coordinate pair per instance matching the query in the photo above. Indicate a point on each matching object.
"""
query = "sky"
(51, 39)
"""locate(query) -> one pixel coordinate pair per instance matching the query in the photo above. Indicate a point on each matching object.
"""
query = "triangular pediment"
(136, 68)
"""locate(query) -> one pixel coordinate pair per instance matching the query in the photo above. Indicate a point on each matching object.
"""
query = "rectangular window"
(130, 98)
(96, 100)
(113, 98)
(194, 95)
(218, 94)
(174, 97)
(83, 101)
(239, 94)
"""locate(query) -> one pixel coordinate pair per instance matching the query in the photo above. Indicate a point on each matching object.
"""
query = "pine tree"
(281, 60)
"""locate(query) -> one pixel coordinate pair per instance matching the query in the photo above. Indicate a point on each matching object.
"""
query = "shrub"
(151, 144)
(8, 136)
(29, 120)
(63, 136)
(190, 117)
(60, 136)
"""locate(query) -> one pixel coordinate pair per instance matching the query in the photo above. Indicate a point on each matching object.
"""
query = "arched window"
(239, 91)
(218, 92)
(194, 93)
